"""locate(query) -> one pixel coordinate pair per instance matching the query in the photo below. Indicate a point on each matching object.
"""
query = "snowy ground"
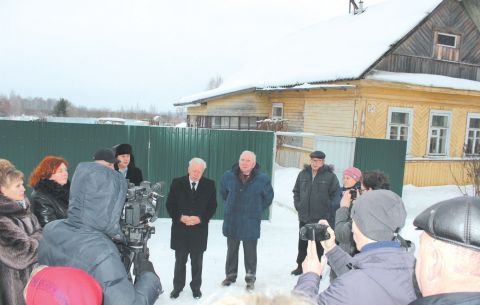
(277, 247)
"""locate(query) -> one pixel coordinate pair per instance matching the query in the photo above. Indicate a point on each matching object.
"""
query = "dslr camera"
(140, 209)
(353, 191)
(314, 231)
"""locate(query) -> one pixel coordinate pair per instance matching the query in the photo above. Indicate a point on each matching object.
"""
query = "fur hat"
(353, 172)
(123, 149)
(379, 214)
(63, 285)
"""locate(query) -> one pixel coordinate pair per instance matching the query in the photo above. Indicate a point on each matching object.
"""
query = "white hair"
(198, 161)
(251, 153)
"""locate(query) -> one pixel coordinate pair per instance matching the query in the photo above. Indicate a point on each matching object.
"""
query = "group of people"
(67, 238)
(370, 262)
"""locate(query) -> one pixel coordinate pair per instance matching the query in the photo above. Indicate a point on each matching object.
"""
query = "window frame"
(448, 114)
(277, 105)
(409, 111)
(470, 115)
(446, 45)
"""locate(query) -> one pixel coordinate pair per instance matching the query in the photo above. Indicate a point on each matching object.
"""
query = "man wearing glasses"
(313, 193)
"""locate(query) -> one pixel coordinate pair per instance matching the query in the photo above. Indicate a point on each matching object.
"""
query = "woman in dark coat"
(19, 238)
(126, 163)
(51, 189)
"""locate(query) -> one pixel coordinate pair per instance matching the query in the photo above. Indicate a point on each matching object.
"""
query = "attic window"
(447, 40)
(446, 46)
(277, 111)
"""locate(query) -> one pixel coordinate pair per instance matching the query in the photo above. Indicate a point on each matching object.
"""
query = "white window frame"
(277, 105)
(445, 45)
(409, 111)
(470, 115)
(448, 114)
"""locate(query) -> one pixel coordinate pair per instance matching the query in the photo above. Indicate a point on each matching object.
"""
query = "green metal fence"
(387, 156)
(161, 152)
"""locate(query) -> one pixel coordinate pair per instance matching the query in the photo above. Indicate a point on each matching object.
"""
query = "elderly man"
(448, 261)
(191, 203)
(246, 192)
(381, 273)
(313, 193)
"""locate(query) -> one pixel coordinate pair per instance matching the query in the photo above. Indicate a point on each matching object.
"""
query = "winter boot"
(297, 271)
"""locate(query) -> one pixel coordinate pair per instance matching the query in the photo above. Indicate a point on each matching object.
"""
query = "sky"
(140, 53)
(277, 246)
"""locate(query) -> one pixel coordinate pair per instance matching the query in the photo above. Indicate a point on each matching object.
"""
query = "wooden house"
(402, 69)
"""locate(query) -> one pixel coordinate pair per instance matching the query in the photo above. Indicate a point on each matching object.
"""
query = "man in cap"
(448, 261)
(383, 270)
(126, 164)
(313, 193)
(106, 157)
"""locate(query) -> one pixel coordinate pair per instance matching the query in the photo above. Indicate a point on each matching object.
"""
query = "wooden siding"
(293, 108)
(248, 104)
(435, 172)
(416, 53)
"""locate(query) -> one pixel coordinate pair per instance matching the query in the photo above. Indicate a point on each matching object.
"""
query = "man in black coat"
(191, 203)
(126, 164)
(449, 255)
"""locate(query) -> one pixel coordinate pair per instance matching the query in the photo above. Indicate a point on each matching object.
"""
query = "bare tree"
(214, 82)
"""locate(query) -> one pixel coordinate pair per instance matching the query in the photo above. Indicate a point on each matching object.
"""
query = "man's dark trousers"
(249, 257)
(302, 248)
(196, 261)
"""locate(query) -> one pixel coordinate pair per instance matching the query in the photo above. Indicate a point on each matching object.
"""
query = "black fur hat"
(123, 149)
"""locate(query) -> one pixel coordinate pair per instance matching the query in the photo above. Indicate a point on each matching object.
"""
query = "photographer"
(381, 273)
(85, 239)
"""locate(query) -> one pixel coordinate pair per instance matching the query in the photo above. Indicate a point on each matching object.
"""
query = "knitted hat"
(63, 285)
(105, 154)
(379, 214)
(123, 149)
(317, 154)
(353, 172)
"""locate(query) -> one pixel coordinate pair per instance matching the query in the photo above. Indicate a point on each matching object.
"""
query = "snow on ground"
(277, 247)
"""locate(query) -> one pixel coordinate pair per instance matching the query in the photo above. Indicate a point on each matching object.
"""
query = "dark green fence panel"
(162, 153)
(385, 155)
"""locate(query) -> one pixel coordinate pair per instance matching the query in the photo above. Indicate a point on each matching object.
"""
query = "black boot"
(297, 271)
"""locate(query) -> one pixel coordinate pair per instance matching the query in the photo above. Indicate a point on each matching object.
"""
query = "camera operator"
(381, 273)
(86, 238)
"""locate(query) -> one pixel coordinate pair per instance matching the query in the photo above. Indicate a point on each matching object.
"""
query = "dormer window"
(447, 46)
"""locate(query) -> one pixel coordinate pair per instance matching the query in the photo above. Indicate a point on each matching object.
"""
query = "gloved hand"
(142, 264)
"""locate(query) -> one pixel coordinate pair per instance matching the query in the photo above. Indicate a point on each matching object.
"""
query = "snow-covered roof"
(342, 48)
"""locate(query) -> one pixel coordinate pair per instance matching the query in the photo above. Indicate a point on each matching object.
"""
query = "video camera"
(314, 231)
(140, 209)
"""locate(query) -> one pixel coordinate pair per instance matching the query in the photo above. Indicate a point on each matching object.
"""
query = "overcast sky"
(129, 53)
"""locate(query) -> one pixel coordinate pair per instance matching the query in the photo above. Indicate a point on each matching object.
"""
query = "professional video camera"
(314, 231)
(140, 209)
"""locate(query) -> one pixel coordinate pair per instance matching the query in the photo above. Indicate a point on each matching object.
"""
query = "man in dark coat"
(449, 255)
(86, 238)
(313, 193)
(246, 192)
(126, 164)
(191, 203)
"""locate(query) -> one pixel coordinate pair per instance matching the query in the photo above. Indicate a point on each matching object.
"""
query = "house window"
(473, 135)
(400, 124)
(277, 111)
(446, 46)
(447, 40)
(439, 133)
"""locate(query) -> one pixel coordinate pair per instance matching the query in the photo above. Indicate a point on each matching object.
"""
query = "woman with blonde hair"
(20, 234)
(51, 189)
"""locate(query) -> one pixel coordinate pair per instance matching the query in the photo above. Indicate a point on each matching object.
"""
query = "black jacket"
(458, 298)
(85, 239)
(182, 201)
(313, 199)
(50, 201)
